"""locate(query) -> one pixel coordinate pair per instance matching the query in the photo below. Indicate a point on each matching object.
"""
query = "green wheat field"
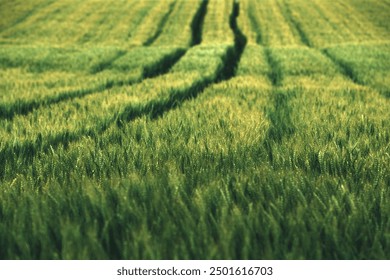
(191, 129)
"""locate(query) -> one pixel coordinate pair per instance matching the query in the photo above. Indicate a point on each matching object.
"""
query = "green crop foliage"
(194, 129)
(366, 64)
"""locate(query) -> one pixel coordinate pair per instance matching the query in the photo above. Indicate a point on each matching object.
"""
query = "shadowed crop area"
(194, 129)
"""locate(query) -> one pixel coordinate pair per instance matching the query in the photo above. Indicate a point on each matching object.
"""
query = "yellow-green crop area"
(195, 129)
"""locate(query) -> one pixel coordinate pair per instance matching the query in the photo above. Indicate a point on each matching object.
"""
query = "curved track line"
(7, 112)
(19, 108)
(161, 25)
(28, 149)
(344, 70)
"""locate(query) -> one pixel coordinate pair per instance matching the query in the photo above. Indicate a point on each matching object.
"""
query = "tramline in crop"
(218, 129)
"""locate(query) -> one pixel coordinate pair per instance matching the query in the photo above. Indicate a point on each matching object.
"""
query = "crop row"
(210, 156)
(366, 64)
(288, 153)
(200, 66)
(283, 66)
(216, 24)
(38, 58)
(182, 25)
(316, 23)
(26, 90)
(266, 24)
(73, 21)
(327, 24)
(355, 52)
(154, 23)
(81, 114)
(168, 23)
(106, 23)
(37, 76)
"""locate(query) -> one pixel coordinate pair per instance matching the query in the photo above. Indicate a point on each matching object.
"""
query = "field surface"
(191, 129)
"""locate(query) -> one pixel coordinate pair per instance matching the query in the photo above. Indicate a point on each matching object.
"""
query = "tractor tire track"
(279, 113)
(106, 64)
(228, 71)
(281, 124)
(274, 74)
(27, 150)
(162, 66)
(197, 24)
(161, 25)
(294, 25)
(344, 69)
(239, 43)
(255, 25)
